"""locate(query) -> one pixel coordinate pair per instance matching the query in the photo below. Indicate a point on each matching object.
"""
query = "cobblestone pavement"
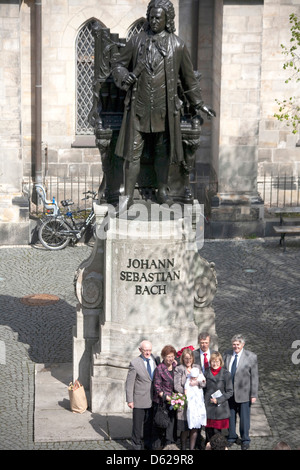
(258, 295)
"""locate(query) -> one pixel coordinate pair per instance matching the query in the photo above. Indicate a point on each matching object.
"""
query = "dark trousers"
(157, 146)
(142, 419)
(243, 410)
(163, 437)
(209, 432)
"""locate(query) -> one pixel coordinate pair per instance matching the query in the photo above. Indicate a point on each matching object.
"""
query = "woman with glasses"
(217, 392)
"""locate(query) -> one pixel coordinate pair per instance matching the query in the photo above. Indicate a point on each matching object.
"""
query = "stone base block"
(221, 230)
(14, 223)
(236, 216)
(14, 233)
(108, 395)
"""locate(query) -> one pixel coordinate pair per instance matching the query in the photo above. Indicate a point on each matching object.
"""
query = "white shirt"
(237, 360)
(151, 362)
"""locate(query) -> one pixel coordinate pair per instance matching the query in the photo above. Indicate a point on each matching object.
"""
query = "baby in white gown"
(196, 412)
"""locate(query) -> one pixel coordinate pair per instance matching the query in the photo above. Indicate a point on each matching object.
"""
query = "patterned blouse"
(163, 381)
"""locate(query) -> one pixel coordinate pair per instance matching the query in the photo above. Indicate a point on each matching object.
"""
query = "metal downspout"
(195, 33)
(38, 92)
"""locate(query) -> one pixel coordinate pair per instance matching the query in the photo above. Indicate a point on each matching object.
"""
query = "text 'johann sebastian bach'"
(151, 277)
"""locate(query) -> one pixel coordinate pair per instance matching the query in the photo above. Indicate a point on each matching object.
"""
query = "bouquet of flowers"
(179, 353)
(74, 386)
(178, 401)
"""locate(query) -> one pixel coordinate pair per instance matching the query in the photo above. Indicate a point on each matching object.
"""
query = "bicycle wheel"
(51, 236)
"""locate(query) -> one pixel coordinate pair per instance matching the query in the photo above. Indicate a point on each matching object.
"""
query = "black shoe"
(163, 197)
(245, 446)
(237, 441)
(136, 447)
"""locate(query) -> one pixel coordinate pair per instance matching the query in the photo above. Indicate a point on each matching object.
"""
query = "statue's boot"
(124, 203)
(163, 195)
(131, 172)
(162, 171)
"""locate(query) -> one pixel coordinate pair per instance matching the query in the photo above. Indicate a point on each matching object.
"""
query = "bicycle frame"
(74, 229)
(68, 226)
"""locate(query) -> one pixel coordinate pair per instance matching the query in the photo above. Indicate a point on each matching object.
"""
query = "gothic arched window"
(84, 77)
(85, 72)
(136, 28)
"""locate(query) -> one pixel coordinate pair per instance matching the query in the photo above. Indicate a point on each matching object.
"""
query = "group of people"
(217, 389)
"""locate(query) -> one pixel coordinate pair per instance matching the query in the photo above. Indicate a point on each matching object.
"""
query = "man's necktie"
(206, 364)
(233, 368)
(149, 368)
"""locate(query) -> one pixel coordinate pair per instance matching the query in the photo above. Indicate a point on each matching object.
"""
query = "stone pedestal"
(236, 215)
(14, 218)
(144, 280)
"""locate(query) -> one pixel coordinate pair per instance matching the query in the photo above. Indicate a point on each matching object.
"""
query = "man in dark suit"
(139, 395)
(202, 354)
(242, 364)
(202, 357)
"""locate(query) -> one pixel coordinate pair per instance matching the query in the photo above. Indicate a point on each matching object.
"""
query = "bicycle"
(56, 232)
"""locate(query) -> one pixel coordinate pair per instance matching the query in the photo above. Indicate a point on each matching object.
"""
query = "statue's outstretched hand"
(207, 110)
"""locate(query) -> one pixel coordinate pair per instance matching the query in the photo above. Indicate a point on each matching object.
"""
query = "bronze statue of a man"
(149, 68)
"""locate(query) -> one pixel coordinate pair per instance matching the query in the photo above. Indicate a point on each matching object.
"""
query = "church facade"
(46, 72)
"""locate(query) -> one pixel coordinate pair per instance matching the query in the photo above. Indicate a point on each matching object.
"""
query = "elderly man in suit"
(242, 364)
(139, 395)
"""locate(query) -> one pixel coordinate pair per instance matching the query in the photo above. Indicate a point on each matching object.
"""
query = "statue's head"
(168, 8)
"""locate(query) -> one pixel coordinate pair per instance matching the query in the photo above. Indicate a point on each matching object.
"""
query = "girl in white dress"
(196, 411)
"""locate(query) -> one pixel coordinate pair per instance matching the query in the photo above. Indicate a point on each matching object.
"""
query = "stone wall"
(277, 151)
(13, 211)
(205, 46)
(240, 96)
(10, 110)
(216, 81)
(196, 28)
(251, 141)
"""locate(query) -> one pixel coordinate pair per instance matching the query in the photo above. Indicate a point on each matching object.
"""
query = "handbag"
(161, 418)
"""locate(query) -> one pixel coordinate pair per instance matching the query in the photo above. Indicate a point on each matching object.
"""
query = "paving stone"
(258, 295)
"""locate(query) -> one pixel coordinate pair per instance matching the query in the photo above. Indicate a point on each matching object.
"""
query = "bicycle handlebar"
(93, 193)
(90, 192)
(66, 202)
(69, 202)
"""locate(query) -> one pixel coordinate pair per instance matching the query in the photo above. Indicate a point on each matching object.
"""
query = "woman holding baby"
(188, 379)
